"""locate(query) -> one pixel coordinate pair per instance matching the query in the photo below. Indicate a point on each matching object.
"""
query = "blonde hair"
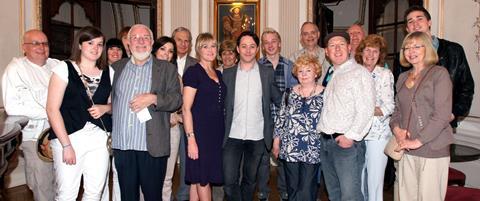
(431, 56)
(307, 60)
(201, 40)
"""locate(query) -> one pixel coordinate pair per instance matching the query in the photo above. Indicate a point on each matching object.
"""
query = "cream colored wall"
(453, 20)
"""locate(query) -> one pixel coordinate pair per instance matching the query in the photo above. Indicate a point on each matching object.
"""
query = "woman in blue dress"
(203, 119)
(296, 141)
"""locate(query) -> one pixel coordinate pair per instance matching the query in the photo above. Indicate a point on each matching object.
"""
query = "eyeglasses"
(138, 38)
(37, 44)
(415, 47)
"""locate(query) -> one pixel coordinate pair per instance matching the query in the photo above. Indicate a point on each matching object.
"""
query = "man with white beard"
(144, 93)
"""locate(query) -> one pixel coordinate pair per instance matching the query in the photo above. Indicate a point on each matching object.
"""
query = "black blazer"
(270, 94)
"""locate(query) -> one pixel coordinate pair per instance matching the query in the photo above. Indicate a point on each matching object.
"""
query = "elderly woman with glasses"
(420, 121)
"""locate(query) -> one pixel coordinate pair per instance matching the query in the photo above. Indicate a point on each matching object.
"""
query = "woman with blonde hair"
(296, 141)
(421, 121)
(203, 120)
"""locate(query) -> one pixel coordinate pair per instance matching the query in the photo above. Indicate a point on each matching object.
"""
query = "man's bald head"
(35, 46)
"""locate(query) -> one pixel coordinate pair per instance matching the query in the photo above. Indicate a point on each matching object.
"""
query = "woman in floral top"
(296, 141)
(371, 54)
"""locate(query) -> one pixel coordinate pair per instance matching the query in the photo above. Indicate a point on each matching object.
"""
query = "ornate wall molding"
(476, 26)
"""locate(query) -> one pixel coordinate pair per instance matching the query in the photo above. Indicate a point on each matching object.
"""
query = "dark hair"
(86, 34)
(115, 42)
(417, 8)
(123, 32)
(160, 42)
(248, 33)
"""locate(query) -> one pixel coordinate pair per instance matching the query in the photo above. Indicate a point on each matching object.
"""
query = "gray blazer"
(190, 61)
(166, 86)
(270, 94)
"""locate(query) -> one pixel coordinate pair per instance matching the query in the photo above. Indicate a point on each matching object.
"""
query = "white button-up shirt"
(24, 87)
(349, 102)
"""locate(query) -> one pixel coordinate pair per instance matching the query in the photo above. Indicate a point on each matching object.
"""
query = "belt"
(330, 136)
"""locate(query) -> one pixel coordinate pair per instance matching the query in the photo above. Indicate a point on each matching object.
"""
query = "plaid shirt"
(283, 77)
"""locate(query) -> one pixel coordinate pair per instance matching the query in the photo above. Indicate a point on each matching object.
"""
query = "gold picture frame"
(233, 17)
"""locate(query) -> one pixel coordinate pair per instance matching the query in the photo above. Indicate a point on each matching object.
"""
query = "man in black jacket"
(451, 55)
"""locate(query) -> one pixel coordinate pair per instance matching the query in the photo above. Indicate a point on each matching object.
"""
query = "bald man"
(24, 86)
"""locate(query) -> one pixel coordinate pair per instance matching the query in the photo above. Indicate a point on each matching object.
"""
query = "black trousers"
(138, 169)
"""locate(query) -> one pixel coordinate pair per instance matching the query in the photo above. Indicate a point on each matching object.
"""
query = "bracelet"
(67, 145)
(190, 134)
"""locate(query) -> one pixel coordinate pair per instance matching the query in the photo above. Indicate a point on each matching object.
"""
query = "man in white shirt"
(349, 102)
(24, 87)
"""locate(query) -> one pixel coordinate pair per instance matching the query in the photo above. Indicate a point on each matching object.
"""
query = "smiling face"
(309, 36)
(140, 42)
(271, 44)
(417, 21)
(35, 46)
(356, 35)
(114, 54)
(306, 74)
(228, 58)
(370, 56)
(91, 50)
(247, 49)
(337, 50)
(165, 52)
(414, 52)
(208, 51)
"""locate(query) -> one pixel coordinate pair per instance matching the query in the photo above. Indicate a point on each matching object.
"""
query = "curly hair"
(306, 60)
(375, 41)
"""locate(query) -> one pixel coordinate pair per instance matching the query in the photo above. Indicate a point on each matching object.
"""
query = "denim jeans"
(301, 180)
(263, 177)
(233, 151)
(342, 170)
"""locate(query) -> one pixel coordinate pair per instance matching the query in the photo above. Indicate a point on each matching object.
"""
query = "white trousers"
(422, 179)
(38, 173)
(92, 159)
(374, 169)
(115, 185)
(171, 162)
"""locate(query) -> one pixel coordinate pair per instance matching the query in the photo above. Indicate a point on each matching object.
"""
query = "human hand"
(408, 144)
(400, 134)
(69, 155)
(344, 142)
(192, 149)
(276, 147)
(141, 101)
(97, 111)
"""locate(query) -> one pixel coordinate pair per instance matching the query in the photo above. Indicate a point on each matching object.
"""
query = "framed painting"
(234, 17)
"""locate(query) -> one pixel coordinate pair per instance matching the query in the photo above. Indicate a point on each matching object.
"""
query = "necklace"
(311, 92)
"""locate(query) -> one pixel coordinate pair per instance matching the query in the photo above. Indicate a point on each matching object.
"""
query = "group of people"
(324, 113)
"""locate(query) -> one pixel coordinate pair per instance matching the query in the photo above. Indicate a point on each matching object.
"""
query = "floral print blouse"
(296, 128)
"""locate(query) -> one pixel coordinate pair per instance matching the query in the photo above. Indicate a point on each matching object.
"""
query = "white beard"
(140, 55)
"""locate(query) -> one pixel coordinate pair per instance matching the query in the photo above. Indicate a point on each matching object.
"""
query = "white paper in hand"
(143, 115)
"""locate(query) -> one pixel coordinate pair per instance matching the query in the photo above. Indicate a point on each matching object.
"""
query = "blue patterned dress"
(296, 127)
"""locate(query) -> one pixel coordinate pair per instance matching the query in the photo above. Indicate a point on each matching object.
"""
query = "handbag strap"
(413, 97)
(89, 93)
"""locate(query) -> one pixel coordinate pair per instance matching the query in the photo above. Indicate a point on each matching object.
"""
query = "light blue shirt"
(128, 133)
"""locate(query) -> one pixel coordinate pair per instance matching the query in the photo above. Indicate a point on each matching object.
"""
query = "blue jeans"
(263, 176)
(342, 169)
(184, 189)
(301, 180)
(252, 152)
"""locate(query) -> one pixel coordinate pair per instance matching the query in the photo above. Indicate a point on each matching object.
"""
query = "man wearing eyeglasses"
(24, 87)
(144, 93)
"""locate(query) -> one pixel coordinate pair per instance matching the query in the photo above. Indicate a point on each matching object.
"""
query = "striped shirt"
(128, 133)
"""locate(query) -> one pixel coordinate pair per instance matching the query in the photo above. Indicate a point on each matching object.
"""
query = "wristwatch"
(191, 134)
